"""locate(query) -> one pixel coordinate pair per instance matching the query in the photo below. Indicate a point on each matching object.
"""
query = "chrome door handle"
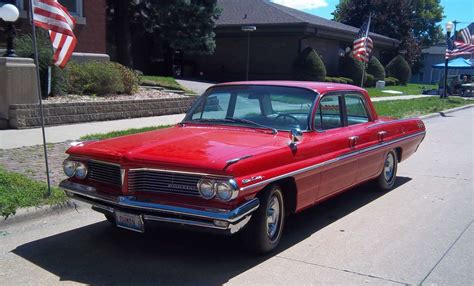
(353, 141)
(381, 135)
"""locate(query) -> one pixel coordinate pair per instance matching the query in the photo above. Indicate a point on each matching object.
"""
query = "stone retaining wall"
(27, 115)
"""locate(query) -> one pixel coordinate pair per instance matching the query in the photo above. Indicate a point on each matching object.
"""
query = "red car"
(246, 155)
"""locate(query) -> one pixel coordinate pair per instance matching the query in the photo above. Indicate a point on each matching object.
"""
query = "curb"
(32, 213)
(441, 113)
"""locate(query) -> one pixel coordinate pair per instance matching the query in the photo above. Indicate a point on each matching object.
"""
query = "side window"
(356, 111)
(328, 114)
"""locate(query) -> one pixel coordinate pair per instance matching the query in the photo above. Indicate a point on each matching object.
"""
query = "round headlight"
(81, 170)
(225, 191)
(69, 168)
(206, 189)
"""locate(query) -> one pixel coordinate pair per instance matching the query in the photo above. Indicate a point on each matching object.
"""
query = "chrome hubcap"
(273, 217)
(389, 167)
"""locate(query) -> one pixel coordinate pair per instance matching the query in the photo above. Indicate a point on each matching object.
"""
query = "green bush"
(376, 69)
(100, 78)
(395, 81)
(352, 69)
(130, 79)
(24, 48)
(347, 80)
(370, 81)
(399, 68)
(309, 66)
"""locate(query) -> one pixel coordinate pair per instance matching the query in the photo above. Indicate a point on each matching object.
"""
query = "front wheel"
(264, 231)
(386, 180)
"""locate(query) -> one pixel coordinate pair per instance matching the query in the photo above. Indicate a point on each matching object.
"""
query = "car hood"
(189, 147)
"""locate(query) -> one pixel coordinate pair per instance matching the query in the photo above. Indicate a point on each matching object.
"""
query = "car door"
(339, 170)
(369, 160)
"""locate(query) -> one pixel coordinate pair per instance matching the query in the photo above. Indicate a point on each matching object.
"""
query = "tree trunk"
(123, 37)
(168, 56)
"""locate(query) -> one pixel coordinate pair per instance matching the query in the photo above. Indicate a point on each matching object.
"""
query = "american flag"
(456, 48)
(52, 16)
(363, 44)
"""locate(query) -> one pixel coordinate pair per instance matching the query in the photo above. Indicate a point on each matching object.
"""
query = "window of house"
(328, 115)
(73, 6)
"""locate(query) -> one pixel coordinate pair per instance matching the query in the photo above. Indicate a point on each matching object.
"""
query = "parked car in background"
(247, 155)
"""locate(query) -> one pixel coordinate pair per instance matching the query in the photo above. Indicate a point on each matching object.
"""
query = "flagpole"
(35, 48)
(366, 37)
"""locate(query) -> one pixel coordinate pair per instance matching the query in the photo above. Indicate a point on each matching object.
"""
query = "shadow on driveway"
(103, 254)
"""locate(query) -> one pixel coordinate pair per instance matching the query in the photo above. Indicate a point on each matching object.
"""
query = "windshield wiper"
(246, 121)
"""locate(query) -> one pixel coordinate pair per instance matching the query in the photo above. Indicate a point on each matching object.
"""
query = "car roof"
(320, 87)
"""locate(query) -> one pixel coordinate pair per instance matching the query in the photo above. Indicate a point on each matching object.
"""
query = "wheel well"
(398, 151)
(288, 186)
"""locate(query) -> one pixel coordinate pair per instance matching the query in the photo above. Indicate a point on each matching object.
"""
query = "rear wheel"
(387, 178)
(264, 231)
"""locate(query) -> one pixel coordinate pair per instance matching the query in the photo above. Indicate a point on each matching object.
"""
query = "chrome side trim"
(322, 164)
(391, 121)
(90, 195)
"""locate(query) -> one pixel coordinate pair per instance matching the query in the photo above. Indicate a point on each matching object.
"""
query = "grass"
(418, 106)
(166, 82)
(19, 191)
(409, 89)
(101, 136)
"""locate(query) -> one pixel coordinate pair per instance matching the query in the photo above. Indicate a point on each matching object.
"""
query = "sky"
(460, 10)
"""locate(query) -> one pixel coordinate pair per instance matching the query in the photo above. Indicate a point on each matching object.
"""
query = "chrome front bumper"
(228, 221)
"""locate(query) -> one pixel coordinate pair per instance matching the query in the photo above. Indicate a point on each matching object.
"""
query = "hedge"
(309, 66)
(352, 69)
(376, 69)
(399, 68)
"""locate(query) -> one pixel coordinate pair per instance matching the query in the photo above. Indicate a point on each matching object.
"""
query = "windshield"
(275, 107)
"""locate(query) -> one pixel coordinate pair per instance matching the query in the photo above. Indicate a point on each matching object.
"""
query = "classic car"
(246, 155)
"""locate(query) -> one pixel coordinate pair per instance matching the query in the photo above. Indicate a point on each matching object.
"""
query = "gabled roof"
(264, 12)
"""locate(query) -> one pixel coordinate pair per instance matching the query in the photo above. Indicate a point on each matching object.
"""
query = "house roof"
(264, 12)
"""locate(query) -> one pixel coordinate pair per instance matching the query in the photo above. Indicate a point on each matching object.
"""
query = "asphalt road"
(421, 232)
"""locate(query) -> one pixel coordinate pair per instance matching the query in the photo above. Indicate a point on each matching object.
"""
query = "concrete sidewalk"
(10, 139)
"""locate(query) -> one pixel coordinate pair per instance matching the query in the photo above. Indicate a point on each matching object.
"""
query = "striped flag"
(456, 48)
(52, 16)
(363, 44)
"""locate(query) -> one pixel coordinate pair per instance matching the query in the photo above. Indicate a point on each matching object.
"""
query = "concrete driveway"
(421, 232)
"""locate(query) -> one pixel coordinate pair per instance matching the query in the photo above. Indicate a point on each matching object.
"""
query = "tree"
(175, 24)
(399, 68)
(309, 66)
(413, 22)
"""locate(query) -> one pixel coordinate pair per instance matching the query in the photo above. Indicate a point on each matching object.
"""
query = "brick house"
(91, 23)
(282, 33)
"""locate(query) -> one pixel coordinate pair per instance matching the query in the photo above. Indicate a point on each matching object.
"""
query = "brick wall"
(91, 37)
(27, 115)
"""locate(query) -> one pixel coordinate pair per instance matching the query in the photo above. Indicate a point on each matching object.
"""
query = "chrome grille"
(163, 182)
(105, 173)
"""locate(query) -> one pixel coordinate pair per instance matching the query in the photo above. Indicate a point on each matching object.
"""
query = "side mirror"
(295, 136)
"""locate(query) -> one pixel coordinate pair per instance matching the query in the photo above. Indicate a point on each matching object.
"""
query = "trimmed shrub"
(394, 80)
(370, 81)
(376, 69)
(309, 66)
(352, 69)
(347, 80)
(130, 79)
(24, 48)
(399, 68)
(94, 78)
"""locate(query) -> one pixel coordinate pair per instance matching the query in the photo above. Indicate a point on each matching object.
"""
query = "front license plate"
(129, 221)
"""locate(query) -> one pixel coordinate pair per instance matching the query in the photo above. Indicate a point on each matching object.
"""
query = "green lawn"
(19, 191)
(418, 106)
(166, 82)
(100, 136)
(409, 89)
